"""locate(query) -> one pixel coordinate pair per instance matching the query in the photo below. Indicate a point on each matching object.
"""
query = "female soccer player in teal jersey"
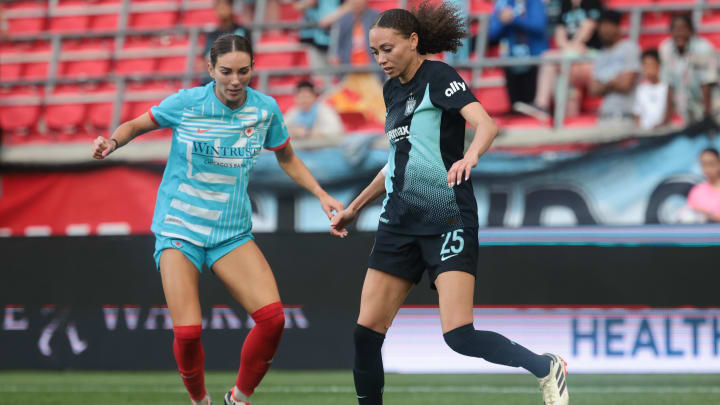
(429, 217)
(203, 213)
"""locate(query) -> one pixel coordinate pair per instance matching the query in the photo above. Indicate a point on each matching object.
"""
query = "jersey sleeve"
(448, 91)
(277, 135)
(169, 112)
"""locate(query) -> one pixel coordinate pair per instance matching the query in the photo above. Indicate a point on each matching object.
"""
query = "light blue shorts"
(196, 254)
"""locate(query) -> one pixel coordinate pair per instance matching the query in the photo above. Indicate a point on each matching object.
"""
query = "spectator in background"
(689, 67)
(358, 92)
(226, 25)
(519, 26)
(704, 198)
(616, 69)
(315, 11)
(310, 117)
(353, 21)
(651, 96)
(575, 35)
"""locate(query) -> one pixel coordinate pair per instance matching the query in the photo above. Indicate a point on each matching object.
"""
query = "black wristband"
(117, 145)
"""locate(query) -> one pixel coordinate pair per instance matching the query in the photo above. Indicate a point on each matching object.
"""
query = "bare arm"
(623, 83)
(299, 173)
(707, 98)
(123, 134)
(485, 133)
(585, 32)
(561, 38)
(669, 107)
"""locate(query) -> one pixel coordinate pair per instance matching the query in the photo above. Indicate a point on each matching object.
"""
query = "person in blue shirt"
(520, 27)
(203, 213)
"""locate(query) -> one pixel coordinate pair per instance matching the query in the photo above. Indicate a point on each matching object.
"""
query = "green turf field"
(319, 388)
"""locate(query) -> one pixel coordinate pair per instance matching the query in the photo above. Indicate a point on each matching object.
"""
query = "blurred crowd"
(653, 87)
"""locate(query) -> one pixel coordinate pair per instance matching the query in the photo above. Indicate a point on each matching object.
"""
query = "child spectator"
(310, 117)
(651, 97)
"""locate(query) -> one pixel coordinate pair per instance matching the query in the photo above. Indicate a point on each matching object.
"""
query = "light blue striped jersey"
(203, 195)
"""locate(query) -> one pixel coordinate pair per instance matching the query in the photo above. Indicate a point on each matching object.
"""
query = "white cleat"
(554, 385)
(205, 401)
(231, 400)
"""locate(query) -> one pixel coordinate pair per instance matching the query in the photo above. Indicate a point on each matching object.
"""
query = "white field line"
(510, 390)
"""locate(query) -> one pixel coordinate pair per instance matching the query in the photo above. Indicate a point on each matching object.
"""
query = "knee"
(270, 318)
(460, 339)
(367, 340)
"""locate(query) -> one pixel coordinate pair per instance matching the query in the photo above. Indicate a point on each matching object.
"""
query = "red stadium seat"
(174, 64)
(105, 22)
(99, 115)
(281, 59)
(285, 101)
(129, 65)
(154, 20)
(65, 116)
(481, 6)
(494, 99)
(70, 23)
(27, 25)
(711, 18)
(591, 104)
(155, 92)
(626, 3)
(382, 5)
(289, 13)
(97, 66)
(10, 71)
(200, 18)
(656, 19)
(650, 41)
(38, 70)
(20, 117)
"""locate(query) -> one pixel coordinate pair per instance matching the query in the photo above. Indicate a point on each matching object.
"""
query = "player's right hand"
(102, 147)
(340, 221)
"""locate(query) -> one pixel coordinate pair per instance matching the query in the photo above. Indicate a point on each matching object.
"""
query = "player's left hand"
(460, 170)
(330, 204)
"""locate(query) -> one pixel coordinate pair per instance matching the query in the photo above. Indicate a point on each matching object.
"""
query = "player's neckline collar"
(412, 80)
(223, 105)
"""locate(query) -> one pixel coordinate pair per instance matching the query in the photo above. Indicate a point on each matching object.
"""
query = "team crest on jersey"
(249, 131)
(410, 105)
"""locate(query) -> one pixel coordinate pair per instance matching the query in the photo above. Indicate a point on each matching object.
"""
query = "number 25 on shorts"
(453, 245)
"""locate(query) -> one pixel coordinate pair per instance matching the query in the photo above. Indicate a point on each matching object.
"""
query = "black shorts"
(408, 256)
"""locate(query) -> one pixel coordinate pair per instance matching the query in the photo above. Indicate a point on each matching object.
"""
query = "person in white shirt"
(651, 96)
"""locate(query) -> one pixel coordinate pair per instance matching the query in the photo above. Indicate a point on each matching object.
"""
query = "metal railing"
(476, 65)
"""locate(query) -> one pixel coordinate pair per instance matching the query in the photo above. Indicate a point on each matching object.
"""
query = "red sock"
(190, 357)
(260, 346)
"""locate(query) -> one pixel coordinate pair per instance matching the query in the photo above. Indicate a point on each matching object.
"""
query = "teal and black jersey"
(427, 135)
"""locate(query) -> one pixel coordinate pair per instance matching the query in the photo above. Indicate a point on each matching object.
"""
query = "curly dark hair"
(439, 26)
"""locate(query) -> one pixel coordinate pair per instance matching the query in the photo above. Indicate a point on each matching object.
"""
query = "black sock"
(497, 349)
(368, 371)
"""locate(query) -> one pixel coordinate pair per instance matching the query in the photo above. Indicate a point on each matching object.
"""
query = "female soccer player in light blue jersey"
(203, 213)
